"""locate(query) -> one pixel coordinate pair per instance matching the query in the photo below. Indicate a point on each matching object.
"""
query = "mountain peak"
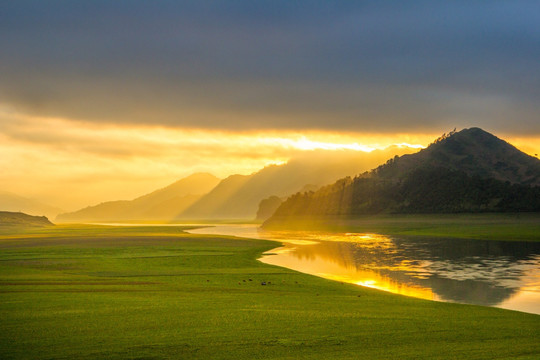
(473, 151)
(474, 136)
(466, 171)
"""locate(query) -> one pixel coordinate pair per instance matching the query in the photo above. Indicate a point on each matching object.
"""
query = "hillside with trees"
(239, 196)
(466, 171)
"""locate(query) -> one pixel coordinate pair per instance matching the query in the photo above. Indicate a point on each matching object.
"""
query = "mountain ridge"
(466, 151)
(467, 171)
(239, 196)
(157, 205)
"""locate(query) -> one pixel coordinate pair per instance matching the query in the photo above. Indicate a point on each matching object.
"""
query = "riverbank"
(156, 292)
(496, 226)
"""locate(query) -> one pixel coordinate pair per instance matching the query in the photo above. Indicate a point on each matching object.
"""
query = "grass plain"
(90, 292)
(486, 226)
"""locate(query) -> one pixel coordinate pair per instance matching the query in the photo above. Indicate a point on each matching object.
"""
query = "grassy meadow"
(486, 226)
(97, 292)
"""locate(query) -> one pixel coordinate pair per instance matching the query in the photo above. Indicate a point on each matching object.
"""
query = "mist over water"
(502, 274)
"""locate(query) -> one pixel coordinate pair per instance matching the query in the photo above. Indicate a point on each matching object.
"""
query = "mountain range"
(467, 171)
(237, 196)
(165, 203)
(470, 170)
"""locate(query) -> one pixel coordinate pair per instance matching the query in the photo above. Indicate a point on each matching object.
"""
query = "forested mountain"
(162, 204)
(473, 151)
(467, 171)
(238, 196)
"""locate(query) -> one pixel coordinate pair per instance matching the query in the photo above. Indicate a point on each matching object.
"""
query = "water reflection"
(493, 273)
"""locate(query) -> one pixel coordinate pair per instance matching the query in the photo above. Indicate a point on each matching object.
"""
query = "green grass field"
(90, 292)
(492, 226)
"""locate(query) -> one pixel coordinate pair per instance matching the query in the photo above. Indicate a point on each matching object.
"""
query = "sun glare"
(303, 143)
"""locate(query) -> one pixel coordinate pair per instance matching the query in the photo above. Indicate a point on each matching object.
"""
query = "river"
(503, 274)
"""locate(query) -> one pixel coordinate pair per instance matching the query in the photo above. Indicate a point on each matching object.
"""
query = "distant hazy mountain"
(238, 196)
(468, 171)
(162, 204)
(217, 201)
(12, 202)
(267, 207)
(18, 219)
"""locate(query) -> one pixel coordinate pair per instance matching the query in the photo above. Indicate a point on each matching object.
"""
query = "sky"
(103, 100)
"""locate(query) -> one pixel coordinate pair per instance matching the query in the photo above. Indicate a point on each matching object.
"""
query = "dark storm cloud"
(276, 64)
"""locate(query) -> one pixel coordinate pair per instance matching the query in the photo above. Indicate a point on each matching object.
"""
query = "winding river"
(503, 274)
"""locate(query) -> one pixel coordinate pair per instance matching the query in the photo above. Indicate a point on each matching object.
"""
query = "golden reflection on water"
(331, 260)
(528, 298)
(492, 273)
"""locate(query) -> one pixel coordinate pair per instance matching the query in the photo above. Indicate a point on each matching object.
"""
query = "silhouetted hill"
(473, 151)
(468, 171)
(162, 204)
(239, 196)
(18, 219)
(16, 203)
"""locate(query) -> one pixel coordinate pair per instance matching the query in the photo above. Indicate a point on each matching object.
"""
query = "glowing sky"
(122, 97)
(72, 163)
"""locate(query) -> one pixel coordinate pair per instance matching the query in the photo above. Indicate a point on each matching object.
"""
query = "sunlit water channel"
(503, 274)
